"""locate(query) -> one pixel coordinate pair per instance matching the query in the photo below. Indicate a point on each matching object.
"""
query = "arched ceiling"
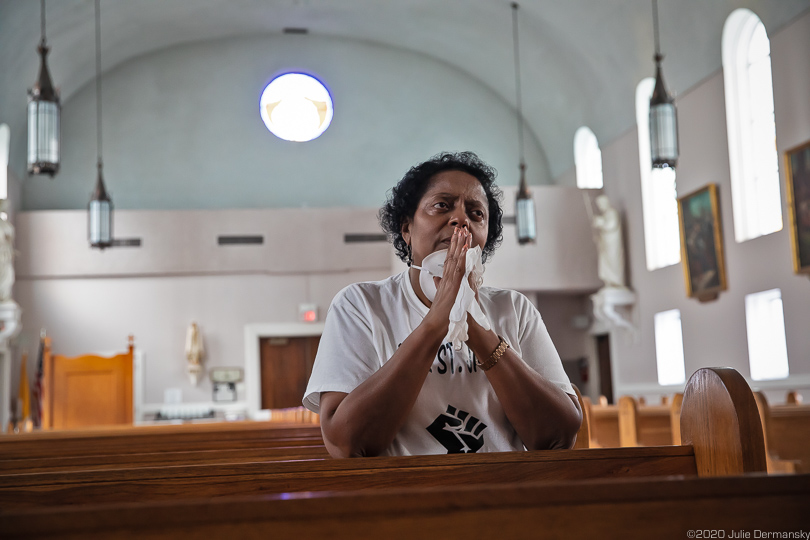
(581, 59)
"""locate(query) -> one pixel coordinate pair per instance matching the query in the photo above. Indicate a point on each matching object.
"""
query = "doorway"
(285, 367)
(605, 371)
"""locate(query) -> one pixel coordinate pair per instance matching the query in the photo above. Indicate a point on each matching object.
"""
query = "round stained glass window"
(296, 107)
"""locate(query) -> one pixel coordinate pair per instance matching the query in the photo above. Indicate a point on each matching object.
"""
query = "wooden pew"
(638, 508)
(643, 425)
(675, 417)
(152, 446)
(78, 450)
(722, 435)
(604, 425)
(775, 463)
(157, 438)
(167, 483)
(162, 459)
(787, 430)
(630, 423)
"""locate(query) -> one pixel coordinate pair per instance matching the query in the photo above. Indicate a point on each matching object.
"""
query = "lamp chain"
(518, 96)
(98, 78)
(42, 39)
(655, 29)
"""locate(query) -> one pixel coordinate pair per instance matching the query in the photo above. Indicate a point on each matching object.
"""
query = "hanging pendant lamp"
(44, 112)
(663, 114)
(524, 204)
(100, 209)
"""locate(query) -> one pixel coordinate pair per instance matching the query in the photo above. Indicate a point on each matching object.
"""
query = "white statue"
(608, 235)
(613, 303)
(6, 256)
(194, 352)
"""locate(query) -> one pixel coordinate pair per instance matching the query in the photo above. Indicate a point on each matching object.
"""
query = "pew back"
(627, 509)
(715, 422)
(156, 438)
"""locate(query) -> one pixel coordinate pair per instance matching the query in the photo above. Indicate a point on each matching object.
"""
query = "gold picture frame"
(797, 178)
(702, 254)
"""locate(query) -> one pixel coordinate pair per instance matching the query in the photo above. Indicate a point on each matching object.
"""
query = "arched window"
(658, 197)
(588, 159)
(753, 159)
(5, 138)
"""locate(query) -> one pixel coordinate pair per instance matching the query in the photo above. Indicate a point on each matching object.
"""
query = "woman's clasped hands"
(453, 273)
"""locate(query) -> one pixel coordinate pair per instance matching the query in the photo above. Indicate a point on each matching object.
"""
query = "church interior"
(175, 225)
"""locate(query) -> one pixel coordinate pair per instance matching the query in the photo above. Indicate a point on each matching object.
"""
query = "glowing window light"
(296, 107)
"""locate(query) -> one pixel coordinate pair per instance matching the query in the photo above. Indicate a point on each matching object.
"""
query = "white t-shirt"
(457, 409)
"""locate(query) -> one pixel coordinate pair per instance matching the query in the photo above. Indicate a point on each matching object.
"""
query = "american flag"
(37, 412)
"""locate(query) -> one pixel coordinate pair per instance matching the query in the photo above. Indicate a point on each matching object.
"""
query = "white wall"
(714, 333)
(87, 315)
(182, 128)
(89, 301)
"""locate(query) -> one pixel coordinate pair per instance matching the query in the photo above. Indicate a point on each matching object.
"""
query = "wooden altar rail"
(157, 438)
(720, 423)
(628, 509)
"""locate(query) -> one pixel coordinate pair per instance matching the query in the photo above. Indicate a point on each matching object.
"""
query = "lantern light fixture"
(44, 111)
(663, 114)
(100, 208)
(524, 204)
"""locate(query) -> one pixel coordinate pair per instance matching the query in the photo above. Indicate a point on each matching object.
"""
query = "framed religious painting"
(702, 244)
(798, 196)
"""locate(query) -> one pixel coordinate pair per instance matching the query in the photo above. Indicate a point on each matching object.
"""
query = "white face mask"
(433, 266)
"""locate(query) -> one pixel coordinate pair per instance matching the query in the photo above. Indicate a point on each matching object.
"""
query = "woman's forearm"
(543, 415)
(365, 421)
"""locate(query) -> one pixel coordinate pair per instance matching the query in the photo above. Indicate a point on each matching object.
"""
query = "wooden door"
(286, 364)
(89, 391)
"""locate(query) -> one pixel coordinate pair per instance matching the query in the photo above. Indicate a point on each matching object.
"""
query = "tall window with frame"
(659, 199)
(753, 158)
(588, 159)
(767, 343)
(669, 347)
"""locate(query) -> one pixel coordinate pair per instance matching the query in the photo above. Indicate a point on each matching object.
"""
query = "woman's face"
(452, 199)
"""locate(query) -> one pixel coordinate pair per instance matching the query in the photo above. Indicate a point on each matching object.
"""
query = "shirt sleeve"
(346, 354)
(538, 351)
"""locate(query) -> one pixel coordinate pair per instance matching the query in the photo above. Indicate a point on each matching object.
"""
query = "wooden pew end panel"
(719, 418)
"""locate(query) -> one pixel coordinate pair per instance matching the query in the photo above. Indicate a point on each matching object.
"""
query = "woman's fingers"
(455, 262)
(452, 262)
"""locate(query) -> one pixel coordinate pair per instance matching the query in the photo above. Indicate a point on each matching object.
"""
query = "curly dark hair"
(405, 196)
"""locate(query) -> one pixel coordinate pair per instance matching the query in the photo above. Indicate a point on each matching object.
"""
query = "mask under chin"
(433, 266)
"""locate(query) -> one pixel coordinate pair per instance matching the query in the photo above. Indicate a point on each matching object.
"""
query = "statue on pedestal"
(608, 235)
(614, 295)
